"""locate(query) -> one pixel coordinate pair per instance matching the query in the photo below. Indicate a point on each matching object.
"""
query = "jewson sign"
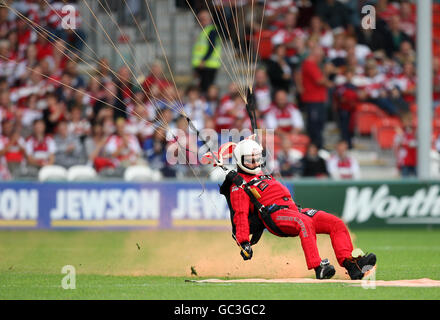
(110, 205)
(189, 205)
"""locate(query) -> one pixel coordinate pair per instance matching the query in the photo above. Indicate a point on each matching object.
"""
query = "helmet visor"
(252, 161)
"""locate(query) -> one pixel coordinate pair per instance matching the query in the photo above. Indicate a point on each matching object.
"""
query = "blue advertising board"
(111, 205)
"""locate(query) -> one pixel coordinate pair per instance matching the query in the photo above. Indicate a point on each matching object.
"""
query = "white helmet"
(247, 154)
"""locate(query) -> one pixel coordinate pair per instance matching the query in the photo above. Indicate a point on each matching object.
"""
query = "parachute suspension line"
(254, 68)
(162, 122)
(164, 54)
(122, 57)
(213, 45)
(229, 48)
(41, 31)
(159, 112)
(180, 100)
(74, 89)
(237, 32)
(246, 45)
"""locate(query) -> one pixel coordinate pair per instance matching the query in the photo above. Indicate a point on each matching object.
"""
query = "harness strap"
(263, 212)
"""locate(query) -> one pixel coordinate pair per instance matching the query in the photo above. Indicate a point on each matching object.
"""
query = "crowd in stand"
(322, 64)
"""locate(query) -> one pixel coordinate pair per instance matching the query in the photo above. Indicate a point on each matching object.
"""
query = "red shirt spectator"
(40, 148)
(406, 144)
(13, 148)
(229, 112)
(156, 78)
(312, 77)
(406, 82)
(275, 9)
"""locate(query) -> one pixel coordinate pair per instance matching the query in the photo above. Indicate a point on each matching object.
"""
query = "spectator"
(279, 71)
(346, 99)
(29, 62)
(283, 115)
(406, 147)
(206, 55)
(69, 151)
(333, 12)
(78, 125)
(195, 107)
(104, 70)
(156, 77)
(406, 53)
(7, 61)
(313, 165)
(380, 91)
(72, 70)
(289, 163)
(65, 91)
(314, 94)
(94, 146)
(40, 149)
(408, 19)
(184, 147)
(395, 36)
(436, 81)
(123, 148)
(213, 98)
(341, 165)
(155, 149)
(288, 33)
(108, 101)
(361, 51)
(319, 32)
(276, 9)
(6, 24)
(7, 109)
(375, 39)
(29, 114)
(262, 91)
(406, 83)
(12, 150)
(124, 92)
(139, 122)
(55, 112)
(226, 112)
(4, 171)
(306, 11)
(337, 53)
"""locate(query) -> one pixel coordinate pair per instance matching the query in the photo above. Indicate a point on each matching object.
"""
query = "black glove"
(246, 251)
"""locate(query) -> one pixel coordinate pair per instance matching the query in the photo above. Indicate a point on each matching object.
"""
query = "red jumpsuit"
(290, 221)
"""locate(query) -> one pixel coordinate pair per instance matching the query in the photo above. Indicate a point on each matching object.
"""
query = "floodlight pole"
(424, 87)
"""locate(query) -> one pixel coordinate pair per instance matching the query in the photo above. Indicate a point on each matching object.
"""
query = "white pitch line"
(425, 282)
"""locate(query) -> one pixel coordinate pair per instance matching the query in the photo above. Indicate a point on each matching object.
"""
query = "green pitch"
(154, 265)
